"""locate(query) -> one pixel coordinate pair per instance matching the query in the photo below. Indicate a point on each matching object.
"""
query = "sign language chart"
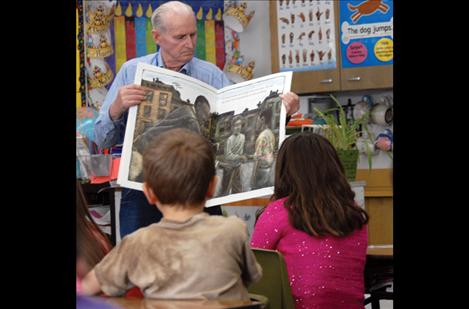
(306, 35)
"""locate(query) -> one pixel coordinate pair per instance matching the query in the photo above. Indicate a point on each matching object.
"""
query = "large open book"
(244, 122)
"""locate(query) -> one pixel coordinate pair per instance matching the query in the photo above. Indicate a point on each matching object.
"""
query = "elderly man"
(175, 31)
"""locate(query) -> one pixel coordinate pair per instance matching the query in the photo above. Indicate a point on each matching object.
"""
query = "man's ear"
(150, 195)
(156, 35)
(211, 187)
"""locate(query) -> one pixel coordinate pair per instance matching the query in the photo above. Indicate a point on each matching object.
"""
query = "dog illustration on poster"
(367, 7)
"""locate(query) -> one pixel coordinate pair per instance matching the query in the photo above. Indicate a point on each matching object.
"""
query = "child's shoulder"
(230, 224)
(230, 220)
(277, 205)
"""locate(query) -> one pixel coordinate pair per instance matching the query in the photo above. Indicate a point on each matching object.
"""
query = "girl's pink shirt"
(324, 272)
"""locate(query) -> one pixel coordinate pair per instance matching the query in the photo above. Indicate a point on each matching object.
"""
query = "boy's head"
(178, 167)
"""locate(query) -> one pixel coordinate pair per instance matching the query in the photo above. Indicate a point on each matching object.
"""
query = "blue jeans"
(135, 211)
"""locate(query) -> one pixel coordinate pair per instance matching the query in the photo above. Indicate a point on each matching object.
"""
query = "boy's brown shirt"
(205, 257)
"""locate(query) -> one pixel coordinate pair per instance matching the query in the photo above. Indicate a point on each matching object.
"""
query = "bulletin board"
(132, 30)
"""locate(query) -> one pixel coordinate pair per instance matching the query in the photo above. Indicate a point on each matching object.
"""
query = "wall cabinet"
(328, 80)
(373, 77)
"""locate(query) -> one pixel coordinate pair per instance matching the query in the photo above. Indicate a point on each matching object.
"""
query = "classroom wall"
(255, 45)
(255, 39)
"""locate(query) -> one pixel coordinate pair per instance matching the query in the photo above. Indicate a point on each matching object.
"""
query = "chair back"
(274, 283)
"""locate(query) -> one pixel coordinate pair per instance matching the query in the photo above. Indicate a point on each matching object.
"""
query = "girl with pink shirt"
(317, 226)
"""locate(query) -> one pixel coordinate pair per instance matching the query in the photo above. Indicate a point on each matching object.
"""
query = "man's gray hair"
(157, 18)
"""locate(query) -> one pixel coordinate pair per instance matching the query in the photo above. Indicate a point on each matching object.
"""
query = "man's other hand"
(291, 102)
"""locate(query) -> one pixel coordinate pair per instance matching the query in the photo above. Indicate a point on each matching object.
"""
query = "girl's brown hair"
(92, 244)
(320, 200)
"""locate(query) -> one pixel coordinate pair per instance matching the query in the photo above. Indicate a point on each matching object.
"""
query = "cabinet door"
(365, 44)
(322, 80)
(367, 77)
(316, 81)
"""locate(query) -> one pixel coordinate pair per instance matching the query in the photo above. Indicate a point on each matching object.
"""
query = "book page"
(249, 128)
(245, 122)
(172, 101)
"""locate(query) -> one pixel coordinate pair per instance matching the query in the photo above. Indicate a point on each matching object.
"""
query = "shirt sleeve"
(109, 132)
(268, 229)
(225, 81)
(112, 271)
(260, 144)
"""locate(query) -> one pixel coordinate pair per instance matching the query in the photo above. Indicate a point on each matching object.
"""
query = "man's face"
(259, 123)
(237, 127)
(178, 39)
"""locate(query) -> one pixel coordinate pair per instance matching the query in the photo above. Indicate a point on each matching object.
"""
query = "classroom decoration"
(200, 48)
(81, 96)
(236, 20)
(130, 32)
(306, 35)
(366, 33)
(98, 17)
(219, 39)
(119, 38)
(133, 38)
(236, 17)
(384, 140)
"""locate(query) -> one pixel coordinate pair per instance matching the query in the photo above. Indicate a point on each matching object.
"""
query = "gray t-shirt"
(205, 257)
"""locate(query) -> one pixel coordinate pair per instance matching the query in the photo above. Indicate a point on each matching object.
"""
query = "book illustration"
(244, 122)
(246, 147)
(162, 110)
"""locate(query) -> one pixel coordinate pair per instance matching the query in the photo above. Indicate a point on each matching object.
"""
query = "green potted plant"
(344, 134)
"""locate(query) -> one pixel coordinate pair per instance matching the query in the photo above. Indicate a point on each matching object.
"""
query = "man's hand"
(127, 96)
(291, 102)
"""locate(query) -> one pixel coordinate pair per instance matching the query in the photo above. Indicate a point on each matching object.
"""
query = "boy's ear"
(150, 195)
(211, 187)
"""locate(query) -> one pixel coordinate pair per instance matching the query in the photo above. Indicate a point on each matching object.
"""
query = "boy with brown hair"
(188, 254)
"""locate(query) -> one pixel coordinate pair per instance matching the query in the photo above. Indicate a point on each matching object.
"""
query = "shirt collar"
(170, 224)
(186, 68)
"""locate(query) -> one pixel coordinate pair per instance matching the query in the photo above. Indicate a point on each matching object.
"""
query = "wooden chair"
(274, 283)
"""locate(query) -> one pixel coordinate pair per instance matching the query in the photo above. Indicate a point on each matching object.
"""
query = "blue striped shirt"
(109, 132)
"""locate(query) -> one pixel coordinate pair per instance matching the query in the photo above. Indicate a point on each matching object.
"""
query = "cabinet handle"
(354, 79)
(326, 81)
